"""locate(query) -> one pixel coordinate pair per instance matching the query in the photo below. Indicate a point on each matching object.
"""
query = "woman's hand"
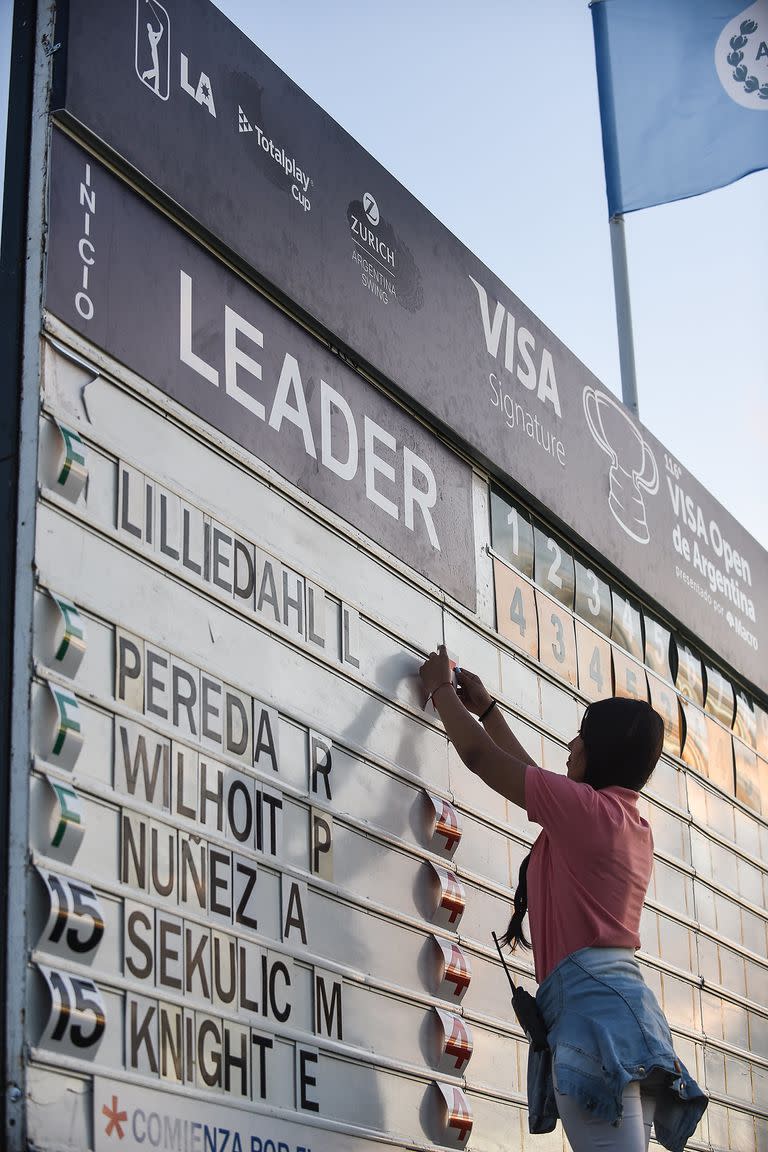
(472, 692)
(435, 671)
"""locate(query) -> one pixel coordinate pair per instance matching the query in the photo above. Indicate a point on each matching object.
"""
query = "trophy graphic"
(633, 466)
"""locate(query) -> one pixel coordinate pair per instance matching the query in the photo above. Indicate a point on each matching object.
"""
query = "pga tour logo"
(152, 57)
(153, 47)
(741, 57)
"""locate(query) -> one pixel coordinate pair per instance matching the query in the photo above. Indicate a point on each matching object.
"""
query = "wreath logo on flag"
(741, 57)
(736, 56)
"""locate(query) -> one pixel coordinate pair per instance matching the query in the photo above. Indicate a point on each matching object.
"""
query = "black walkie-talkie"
(525, 1008)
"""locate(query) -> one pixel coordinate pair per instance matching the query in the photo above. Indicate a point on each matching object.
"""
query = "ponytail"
(514, 934)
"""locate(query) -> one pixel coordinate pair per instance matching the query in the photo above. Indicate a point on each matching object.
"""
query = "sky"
(487, 112)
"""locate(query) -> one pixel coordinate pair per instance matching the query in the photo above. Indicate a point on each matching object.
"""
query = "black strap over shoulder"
(525, 1008)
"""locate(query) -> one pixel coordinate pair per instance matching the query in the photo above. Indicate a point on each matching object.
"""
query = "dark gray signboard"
(135, 285)
(188, 101)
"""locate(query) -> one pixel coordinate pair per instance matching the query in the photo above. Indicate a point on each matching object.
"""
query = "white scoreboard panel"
(262, 885)
(262, 890)
(259, 884)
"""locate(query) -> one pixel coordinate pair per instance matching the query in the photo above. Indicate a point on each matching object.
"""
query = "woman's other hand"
(472, 692)
(435, 671)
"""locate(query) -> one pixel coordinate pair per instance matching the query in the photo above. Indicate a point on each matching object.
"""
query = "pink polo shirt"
(589, 870)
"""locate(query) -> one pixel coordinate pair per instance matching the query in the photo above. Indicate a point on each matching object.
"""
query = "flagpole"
(623, 314)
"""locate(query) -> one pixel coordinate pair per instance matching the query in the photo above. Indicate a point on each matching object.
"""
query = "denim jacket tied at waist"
(605, 1029)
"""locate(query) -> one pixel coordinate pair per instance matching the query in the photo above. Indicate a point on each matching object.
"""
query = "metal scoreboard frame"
(22, 246)
(261, 451)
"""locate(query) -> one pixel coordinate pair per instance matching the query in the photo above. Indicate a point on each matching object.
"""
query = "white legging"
(586, 1133)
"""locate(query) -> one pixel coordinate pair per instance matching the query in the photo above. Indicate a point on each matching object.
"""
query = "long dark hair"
(623, 740)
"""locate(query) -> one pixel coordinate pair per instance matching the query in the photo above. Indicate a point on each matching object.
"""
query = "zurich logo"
(371, 209)
(741, 57)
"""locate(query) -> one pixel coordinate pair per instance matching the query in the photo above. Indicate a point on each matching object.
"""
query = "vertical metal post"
(21, 267)
(623, 315)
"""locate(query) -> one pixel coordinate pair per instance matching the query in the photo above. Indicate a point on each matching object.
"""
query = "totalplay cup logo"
(633, 468)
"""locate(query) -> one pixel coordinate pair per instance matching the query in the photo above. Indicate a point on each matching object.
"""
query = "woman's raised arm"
(502, 770)
(477, 699)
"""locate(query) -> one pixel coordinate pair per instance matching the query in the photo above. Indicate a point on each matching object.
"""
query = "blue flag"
(683, 96)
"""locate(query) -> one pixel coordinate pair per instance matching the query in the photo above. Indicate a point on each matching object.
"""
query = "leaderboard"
(242, 826)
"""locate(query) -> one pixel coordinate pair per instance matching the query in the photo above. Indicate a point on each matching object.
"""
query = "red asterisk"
(116, 1119)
